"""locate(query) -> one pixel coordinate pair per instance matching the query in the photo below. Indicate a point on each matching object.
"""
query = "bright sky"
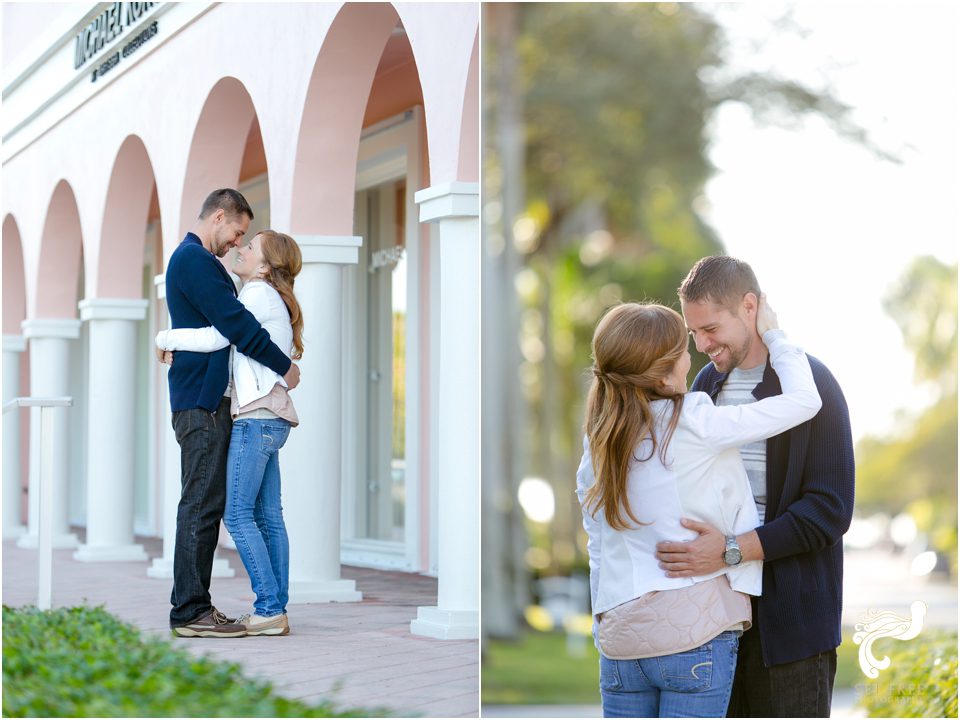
(828, 227)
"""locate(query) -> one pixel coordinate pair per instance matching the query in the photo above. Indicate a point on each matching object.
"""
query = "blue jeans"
(254, 515)
(695, 683)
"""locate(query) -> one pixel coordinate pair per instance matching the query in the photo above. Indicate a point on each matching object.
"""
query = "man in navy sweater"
(803, 482)
(200, 293)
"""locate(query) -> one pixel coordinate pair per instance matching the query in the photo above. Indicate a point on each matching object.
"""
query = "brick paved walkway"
(355, 654)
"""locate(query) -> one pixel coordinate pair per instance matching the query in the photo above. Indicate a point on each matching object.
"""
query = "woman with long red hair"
(654, 454)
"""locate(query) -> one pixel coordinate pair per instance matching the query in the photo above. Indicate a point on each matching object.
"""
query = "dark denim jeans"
(793, 690)
(204, 438)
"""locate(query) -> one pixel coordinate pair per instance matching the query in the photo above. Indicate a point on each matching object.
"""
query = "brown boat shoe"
(212, 624)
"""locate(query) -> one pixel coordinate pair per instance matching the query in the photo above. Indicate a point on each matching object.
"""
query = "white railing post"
(45, 407)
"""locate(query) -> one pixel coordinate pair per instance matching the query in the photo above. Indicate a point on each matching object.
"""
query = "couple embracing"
(714, 517)
(230, 372)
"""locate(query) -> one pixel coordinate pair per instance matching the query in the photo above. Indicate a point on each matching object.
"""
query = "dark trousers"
(798, 689)
(204, 438)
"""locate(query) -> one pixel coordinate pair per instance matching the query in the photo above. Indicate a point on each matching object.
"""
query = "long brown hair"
(635, 346)
(284, 262)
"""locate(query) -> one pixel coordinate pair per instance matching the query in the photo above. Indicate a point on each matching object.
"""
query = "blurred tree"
(596, 123)
(916, 471)
(503, 540)
(924, 304)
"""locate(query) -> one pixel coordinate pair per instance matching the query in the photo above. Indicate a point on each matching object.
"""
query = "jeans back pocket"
(689, 671)
(609, 674)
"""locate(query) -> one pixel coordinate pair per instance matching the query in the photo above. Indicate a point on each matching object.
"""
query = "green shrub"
(920, 682)
(83, 662)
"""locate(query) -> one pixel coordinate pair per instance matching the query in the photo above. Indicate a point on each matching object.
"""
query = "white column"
(49, 362)
(162, 567)
(454, 209)
(310, 462)
(111, 436)
(13, 526)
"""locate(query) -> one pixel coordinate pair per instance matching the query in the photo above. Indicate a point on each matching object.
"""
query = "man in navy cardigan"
(787, 661)
(200, 293)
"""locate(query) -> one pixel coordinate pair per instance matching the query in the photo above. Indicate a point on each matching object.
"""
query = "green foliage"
(920, 682)
(916, 471)
(848, 666)
(924, 305)
(83, 662)
(539, 669)
(615, 107)
(918, 464)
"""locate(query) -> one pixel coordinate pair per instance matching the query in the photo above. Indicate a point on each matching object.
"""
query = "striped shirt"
(738, 390)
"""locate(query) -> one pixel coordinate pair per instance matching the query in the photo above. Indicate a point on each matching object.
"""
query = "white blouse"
(703, 479)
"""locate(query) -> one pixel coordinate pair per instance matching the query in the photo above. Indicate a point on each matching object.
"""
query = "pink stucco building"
(353, 127)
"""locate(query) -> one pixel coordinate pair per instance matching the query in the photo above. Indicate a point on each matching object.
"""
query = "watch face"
(732, 556)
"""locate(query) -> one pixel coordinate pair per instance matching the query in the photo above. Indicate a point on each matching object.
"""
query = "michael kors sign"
(107, 26)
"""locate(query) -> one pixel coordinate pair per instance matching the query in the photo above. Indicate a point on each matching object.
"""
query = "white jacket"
(703, 480)
(251, 379)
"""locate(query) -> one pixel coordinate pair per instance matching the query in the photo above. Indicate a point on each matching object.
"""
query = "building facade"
(354, 127)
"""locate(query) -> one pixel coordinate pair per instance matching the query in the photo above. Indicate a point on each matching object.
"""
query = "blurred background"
(621, 143)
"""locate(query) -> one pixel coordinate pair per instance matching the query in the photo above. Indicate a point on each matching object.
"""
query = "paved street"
(355, 654)
(879, 580)
(843, 707)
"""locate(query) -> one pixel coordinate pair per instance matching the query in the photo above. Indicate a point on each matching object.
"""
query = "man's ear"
(750, 304)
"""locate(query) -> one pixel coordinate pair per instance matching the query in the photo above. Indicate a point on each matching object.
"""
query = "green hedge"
(920, 682)
(83, 662)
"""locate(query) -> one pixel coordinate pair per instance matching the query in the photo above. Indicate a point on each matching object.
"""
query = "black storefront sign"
(105, 28)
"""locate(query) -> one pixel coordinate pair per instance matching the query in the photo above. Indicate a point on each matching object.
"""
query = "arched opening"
(468, 168)
(16, 382)
(59, 272)
(14, 286)
(254, 179)
(328, 143)
(226, 144)
(359, 163)
(58, 360)
(130, 257)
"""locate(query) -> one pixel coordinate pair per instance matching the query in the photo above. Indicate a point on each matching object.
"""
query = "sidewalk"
(354, 654)
(843, 706)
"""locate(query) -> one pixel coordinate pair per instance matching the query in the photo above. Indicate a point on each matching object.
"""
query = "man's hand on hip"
(700, 556)
(292, 378)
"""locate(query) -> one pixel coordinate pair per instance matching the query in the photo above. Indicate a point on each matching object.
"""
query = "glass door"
(382, 499)
(384, 486)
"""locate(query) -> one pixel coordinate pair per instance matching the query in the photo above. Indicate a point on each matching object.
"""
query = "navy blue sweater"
(200, 293)
(810, 487)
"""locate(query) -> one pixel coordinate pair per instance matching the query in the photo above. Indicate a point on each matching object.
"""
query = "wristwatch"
(732, 554)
